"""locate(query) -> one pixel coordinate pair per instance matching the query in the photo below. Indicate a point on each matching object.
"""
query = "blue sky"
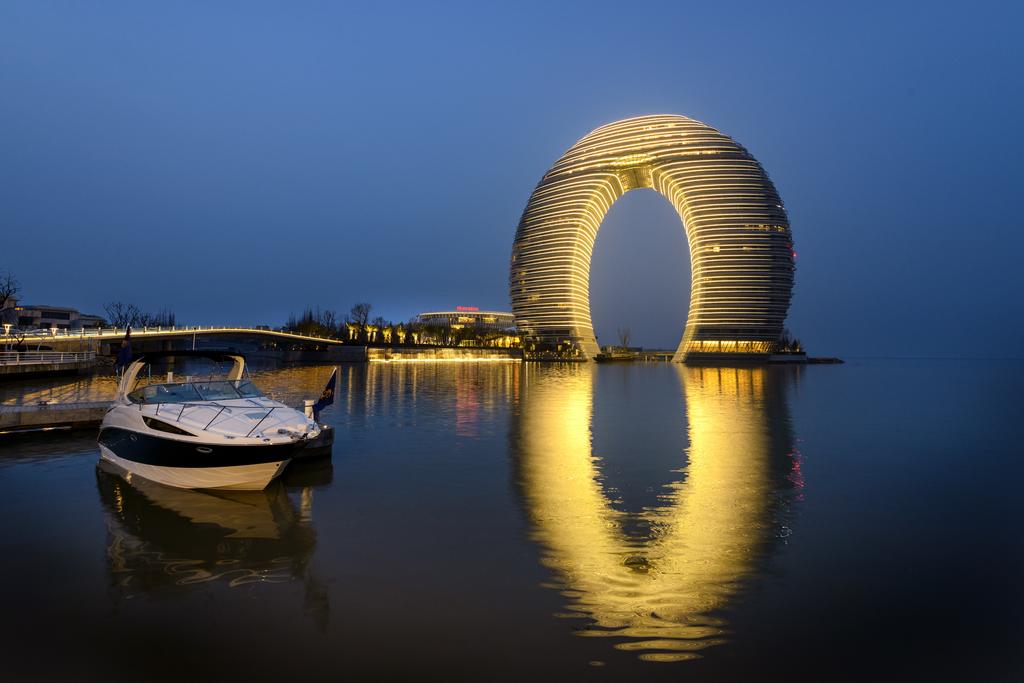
(236, 161)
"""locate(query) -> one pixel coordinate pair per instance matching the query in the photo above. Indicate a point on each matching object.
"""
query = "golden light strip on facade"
(486, 359)
(741, 251)
(658, 593)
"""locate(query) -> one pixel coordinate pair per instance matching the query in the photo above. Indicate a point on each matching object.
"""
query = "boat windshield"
(195, 391)
(247, 389)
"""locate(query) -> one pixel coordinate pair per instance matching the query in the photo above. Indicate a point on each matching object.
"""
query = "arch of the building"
(741, 250)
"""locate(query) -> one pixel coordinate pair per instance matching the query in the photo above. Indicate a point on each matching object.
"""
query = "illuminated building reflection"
(462, 396)
(162, 539)
(660, 593)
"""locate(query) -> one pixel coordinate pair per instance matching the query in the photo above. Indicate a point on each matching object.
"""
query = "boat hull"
(252, 477)
(319, 447)
(194, 465)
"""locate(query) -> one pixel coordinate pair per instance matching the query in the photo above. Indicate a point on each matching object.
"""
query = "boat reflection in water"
(660, 592)
(163, 539)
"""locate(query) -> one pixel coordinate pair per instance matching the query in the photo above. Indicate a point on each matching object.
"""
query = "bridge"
(112, 336)
(285, 346)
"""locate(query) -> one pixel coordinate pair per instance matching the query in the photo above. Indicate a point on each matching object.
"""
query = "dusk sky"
(237, 161)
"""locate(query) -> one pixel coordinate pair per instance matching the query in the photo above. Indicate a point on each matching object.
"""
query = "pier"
(49, 416)
(29, 363)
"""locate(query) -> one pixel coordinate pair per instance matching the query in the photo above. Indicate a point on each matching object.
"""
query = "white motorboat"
(199, 433)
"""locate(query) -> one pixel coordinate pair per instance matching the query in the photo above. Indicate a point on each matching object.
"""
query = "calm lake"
(483, 521)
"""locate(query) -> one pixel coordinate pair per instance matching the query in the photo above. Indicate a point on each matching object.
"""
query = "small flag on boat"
(124, 354)
(327, 397)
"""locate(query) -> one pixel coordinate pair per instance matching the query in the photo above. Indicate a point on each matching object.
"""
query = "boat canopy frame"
(140, 360)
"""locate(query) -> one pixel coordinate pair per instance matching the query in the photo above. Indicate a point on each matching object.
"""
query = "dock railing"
(45, 357)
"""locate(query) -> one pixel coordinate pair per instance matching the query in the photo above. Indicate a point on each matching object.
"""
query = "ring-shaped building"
(741, 248)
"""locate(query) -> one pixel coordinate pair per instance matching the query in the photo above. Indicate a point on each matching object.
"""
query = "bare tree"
(360, 314)
(787, 343)
(9, 288)
(14, 340)
(132, 315)
(318, 323)
(329, 319)
(624, 335)
(164, 318)
(120, 314)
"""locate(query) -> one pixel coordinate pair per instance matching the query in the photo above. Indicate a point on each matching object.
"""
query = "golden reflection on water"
(289, 384)
(463, 395)
(101, 386)
(660, 594)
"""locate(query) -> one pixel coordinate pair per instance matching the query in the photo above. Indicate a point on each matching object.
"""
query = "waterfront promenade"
(45, 417)
(293, 346)
(26, 363)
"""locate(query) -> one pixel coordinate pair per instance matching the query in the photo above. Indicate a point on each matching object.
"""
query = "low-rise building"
(468, 316)
(60, 317)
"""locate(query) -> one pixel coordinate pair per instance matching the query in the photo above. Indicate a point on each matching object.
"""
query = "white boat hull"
(254, 477)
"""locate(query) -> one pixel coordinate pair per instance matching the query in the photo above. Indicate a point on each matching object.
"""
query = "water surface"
(504, 520)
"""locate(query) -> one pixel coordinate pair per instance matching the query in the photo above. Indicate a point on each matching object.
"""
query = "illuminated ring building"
(741, 249)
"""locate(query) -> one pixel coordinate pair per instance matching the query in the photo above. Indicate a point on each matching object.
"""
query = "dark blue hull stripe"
(152, 450)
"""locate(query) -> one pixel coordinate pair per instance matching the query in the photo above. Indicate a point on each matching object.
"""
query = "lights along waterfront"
(519, 520)
(488, 520)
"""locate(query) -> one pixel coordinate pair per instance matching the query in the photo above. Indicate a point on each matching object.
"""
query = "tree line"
(317, 322)
(358, 327)
(121, 314)
(788, 343)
